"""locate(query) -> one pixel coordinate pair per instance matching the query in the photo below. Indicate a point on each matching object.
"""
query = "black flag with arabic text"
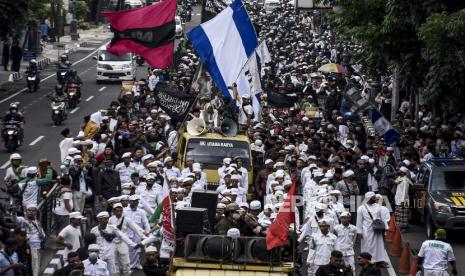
(175, 103)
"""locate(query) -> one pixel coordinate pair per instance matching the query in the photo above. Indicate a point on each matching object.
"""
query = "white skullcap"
(348, 173)
(32, 205)
(113, 199)
(390, 148)
(117, 205)
(323, 222)
(147, 156)
(279, 173)
(328, 175)
(72, 151)
(134, 197)
(75, 215)
(318, 173)
(403, 169)
(279, 188)
(268, 161)
(227, 160)
(103, 214)
(371, 161)
(244, 205)
(220, 206)
(365, 158)
(93, 247)
(151, 249)
(279, 164)
(31, 170)
(345, 214)
(320, 206)
(255, 205)
(124, 197)
(335, 192)
(168, 159)
(369, 194)
(236, 177)
(406, 162)
(126, 155)
(77, 157)
(233, 233)
(126, 185)
(312, 157)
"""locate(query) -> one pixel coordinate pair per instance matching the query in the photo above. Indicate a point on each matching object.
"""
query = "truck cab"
(439, 194)
(210, 149)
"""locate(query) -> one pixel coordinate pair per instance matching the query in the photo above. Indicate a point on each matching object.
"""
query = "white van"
(270, 5)
(114, 68)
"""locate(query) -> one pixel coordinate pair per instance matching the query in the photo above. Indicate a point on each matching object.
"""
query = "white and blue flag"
(224, 45)
(383, 128)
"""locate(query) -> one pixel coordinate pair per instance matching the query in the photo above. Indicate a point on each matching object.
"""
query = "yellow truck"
(183, 267)
(210, 149)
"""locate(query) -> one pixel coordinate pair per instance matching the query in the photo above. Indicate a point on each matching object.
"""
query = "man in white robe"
(371, 242)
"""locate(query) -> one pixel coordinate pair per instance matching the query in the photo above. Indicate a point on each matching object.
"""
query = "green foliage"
(83, 25)
(81, 9)
(423, 39)
(13, 15)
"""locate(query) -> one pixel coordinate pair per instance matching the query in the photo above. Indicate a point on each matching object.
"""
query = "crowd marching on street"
(119, 168)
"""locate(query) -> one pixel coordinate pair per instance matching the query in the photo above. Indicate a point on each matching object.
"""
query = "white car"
(114, 68)
(179, 29)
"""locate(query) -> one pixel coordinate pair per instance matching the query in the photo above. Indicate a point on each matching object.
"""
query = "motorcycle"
(72, 91)
(58, 112)
(61, 76)
(32, 82)
(140, 60)
(11, 136)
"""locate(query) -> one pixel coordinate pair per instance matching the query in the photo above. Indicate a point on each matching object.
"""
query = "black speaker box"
(206, 200)
(190, 221)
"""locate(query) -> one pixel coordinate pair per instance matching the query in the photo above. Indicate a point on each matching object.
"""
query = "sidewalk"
(51, 52)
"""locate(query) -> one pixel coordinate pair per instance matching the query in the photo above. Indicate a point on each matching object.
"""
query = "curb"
(15, 76)
(43, 63)
(55, 264)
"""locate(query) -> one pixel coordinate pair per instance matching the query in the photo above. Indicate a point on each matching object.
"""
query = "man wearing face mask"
(93, 266)
(230, 219)
(108, 183)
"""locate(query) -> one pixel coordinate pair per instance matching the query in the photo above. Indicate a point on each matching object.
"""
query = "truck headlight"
(101, 66)
(442, 208)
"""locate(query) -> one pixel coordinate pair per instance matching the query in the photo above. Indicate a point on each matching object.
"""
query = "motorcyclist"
(13, 116)
(73, 78)
(63, 66)
(58, 95)
(33, 70)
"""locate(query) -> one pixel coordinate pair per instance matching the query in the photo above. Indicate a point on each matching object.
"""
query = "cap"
(147, 156)
(390, 148)
(103, 214)
(220, 206)
(255, 205)
(348, 173)
(117, 205)
(31, 206)
(93, 247)
(440, 233)
(31, 170)
(167, 159)
(124, 197)
(151, 249)
(126, 155)
(279, 164)
(233, 233)
(113, 199)
(244, 205)
(126, 185)
(320, 206)
(345, 214)
(134, 197)
(77, 157)
(369, 194)
(323, 222)
(75, 215)
(403, 169)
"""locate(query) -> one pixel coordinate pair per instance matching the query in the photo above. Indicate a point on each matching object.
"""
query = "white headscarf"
(96, 118)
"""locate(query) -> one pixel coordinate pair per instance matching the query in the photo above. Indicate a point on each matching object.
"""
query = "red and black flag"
(148, 32)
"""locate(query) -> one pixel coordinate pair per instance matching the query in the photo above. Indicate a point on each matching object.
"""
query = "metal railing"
(45, 208)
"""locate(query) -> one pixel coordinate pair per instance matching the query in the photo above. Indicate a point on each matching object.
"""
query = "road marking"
(389, 269)
(90, 98)
(74, 110)
(103, 88)
(52, 75)
(4, 166)
(36, 140)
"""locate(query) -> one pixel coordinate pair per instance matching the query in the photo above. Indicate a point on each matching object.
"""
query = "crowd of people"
(117, 166)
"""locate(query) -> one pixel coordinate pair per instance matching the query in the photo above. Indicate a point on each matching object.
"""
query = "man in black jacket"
(74, 263)
(152, 267)
(108, 184)
(368, 267)
(79, 174)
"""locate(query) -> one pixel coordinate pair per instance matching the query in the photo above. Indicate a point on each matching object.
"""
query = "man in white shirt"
(66, 143)
(436, 255)
(125, 168)
(401, 198)
(245, 112)
(71, 236)
(93, 266)
(346, 235)
(321, 244)
(35, 234)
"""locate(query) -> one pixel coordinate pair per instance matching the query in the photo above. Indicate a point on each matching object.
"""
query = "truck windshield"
(448, 181)
(107, 56)
(210, 153)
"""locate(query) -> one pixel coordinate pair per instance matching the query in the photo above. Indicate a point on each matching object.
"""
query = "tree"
(422, 39)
